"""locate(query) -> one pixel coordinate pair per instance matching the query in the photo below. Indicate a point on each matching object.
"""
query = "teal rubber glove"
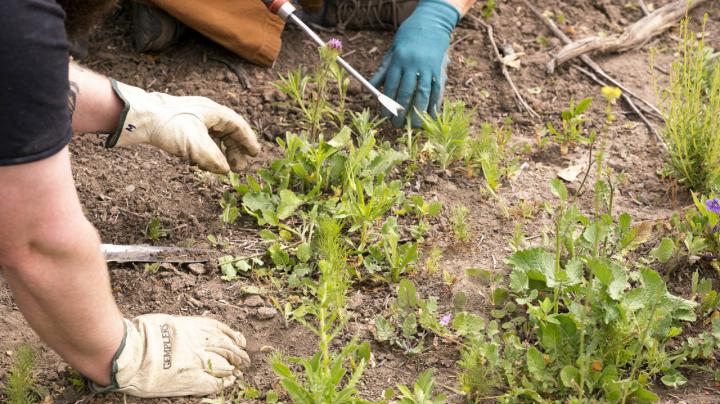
(413, 71)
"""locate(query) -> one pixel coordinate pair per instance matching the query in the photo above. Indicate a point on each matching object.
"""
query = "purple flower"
(713, 205)
(445, 320)
(335, 43)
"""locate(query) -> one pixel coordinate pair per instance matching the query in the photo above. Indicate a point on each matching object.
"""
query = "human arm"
(413, 71)
(210, 135)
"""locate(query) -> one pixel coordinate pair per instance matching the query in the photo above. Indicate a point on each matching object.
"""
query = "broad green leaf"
(535, 361)
(304, 252)
(674, 379)
(258, 201)
(468, 324)
(583, 105)
(342, 139)
(289, 202)
(407, 295)
(570, 377)
(538, 264)
(651, 292)
(664, 251)
(559, 189)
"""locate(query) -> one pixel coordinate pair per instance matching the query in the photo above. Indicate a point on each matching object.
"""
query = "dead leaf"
(570, 174)
(512, 60)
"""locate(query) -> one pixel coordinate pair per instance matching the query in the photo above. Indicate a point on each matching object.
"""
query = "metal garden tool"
(148, 253)
(286, 10)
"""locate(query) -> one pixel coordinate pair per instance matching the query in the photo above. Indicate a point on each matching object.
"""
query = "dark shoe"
(372, 14)
(154, 29)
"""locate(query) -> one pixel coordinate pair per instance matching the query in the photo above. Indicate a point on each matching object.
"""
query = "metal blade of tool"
(285, 10)
(148, 253)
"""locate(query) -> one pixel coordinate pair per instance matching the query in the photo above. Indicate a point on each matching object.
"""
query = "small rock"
(356, 301)
(130, 188)
(197, 268)
(253, 301)
(431, 179)
(266, 313)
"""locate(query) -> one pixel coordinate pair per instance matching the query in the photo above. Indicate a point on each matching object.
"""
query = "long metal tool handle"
(340, 60)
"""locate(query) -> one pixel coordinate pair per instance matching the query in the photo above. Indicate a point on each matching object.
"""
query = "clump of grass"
(20, 381)
(692, 114)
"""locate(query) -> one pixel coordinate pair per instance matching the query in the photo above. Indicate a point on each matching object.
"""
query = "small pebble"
(197, 268)
(266, 313)
(253, 301)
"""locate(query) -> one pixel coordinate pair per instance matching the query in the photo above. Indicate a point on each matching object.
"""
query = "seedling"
(573, 126)
(459, 223)
(20, 387)
(422, 392)
(447, 133)
(155, 230)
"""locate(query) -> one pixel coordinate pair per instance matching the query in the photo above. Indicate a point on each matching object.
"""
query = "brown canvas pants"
(245, 27)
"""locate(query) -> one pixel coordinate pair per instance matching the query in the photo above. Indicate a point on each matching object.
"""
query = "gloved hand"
(170, 356)
(195, 128)
(413, 70)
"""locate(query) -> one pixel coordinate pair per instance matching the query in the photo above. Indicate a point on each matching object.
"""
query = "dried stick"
(627, 99)
(634, 36)
(519, 100)
(644, 8)
(597, 69)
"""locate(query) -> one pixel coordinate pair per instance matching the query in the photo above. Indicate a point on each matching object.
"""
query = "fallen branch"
(627, 93)
(519, 100)
(634, 36)
(644, 8)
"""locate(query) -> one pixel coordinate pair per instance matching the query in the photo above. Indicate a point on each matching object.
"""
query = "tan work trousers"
(245, 27)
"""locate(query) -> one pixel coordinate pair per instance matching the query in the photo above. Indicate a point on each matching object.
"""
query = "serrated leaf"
(538, 264)
(407, 295)
(664, 251)
(535, 361)
(304, 252)
(570, 377)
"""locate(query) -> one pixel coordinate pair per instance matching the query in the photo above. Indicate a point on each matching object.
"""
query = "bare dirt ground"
(123, 189)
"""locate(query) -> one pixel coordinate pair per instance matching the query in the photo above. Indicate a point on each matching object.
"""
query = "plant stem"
(638, 356)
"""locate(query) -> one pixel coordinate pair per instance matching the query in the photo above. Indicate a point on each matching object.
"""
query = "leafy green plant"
(409, 321)
(155, 230)
(327, 376)
(447, 133)
(21, 388)
(459, 223)
(587, 323)
(572, 130)
(491, 153)
(422, 392)
(488, 8)
(691, 114)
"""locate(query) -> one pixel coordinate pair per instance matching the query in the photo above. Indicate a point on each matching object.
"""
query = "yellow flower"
(611, 93)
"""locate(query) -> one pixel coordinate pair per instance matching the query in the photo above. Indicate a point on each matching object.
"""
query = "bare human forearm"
(50, 256)
(96, 108)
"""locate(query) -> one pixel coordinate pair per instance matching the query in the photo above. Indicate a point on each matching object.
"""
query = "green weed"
(21, 388)
(491, 153)
(327, 376)
(422, 392)
(577, 319)
(460, 227)
(692, 121)
(155, 230)
(572, 130)
(447, 133)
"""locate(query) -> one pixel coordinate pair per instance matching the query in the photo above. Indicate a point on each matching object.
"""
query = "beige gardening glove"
(196, 128)
(170, 356)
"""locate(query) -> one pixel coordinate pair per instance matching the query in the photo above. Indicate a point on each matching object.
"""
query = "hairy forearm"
(95, 106)
(462, 5)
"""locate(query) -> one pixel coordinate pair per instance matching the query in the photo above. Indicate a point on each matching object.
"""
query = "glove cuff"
(113, 386)
(442, 11)
(113, 138)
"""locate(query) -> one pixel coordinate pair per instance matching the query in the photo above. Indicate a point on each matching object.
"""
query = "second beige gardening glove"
(196, 128)
(170, 356)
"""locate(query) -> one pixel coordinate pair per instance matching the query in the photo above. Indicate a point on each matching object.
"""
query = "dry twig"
(522, 104)
(634, 36)
(643, 7)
